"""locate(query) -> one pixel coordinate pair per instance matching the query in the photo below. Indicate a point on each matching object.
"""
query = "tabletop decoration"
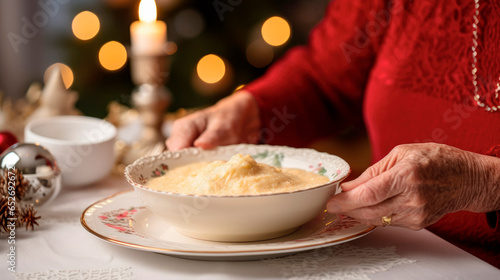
(55, 99)
(7, 139)
(148, 35)
(12, 213)
(150, 70)
(13, 113)
(127, 121)
(29, 178)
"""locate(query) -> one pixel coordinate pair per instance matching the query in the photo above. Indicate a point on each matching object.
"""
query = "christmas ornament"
(13, 213)
(37, 166)
(55, 99)
(7, 139)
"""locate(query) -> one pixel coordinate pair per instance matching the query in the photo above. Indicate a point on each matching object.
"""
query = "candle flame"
(147, 10)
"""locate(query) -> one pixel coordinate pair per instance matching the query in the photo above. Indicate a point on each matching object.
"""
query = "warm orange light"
(211, 68)
(171, 48)
(112, 55)
(66, 73)
(147, 10)
(275, 31)
(85, 25)
(259, 54)
(239, 87)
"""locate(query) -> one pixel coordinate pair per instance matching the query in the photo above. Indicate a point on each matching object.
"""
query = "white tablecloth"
(60, 248)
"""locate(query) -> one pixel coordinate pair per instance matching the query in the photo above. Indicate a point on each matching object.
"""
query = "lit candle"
(148, 35)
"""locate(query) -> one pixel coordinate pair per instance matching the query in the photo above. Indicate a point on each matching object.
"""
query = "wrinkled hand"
(418, 184)
(234, 119)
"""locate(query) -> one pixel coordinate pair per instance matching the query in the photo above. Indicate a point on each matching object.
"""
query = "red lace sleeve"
(494, 151)
(493, 218)
(316, 89)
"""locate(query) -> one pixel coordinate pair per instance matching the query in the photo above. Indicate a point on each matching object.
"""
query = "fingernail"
(333, 207)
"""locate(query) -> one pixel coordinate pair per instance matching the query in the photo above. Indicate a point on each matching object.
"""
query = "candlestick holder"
(150, 98)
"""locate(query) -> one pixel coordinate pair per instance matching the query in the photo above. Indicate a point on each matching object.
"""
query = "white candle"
(148, 35)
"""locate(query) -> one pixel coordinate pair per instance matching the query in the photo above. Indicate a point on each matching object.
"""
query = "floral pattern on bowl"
(235, 218)
(279, 156)
(269, 157)
(159, 171)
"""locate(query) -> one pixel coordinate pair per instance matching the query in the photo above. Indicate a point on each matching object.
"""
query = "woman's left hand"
(417, 184)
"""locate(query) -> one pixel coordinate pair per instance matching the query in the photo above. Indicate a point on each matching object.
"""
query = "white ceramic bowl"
(238, 218)
(82, 146)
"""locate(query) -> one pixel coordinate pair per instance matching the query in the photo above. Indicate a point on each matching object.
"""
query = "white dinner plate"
(122, 219)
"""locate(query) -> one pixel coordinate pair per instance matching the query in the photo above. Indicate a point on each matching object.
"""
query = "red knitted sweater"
(402, 69)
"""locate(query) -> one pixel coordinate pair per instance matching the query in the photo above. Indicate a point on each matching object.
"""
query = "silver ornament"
(38, 166)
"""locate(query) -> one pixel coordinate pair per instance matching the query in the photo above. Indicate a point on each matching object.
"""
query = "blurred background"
(75, 34)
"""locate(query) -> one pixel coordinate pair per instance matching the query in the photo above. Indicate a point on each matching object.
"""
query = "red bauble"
(7, 139)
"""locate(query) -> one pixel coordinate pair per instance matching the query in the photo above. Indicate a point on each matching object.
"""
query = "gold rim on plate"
(114, 238)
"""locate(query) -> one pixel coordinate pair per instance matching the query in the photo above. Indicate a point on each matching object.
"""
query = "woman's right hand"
(232, 120)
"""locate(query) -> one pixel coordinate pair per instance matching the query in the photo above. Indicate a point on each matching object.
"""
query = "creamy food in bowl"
(238, 192)
(240, 175)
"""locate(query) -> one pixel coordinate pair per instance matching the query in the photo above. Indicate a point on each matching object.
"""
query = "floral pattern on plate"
(119, 219)
(108, 218)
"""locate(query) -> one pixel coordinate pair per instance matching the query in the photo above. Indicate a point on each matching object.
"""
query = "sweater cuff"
(493, 218)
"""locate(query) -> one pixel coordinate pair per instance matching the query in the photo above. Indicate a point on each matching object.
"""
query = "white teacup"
(82, 146)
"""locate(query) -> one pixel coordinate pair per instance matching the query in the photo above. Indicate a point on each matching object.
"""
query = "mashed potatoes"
(241, 175)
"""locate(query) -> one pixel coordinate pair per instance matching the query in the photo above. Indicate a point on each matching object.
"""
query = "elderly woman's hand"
(234, 119)
(417, 184)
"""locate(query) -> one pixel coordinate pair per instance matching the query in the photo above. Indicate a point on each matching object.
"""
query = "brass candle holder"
(150, 98)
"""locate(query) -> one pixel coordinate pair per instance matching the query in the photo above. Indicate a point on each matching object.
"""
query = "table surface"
(61, 246)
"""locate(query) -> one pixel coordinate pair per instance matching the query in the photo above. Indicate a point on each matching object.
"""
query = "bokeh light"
(275, 31)
(239, 87)
(211, 68)
(189, 23)
(66, 73)
(85, 25)
(222, 86)
(112, 55)
(259, 54)
(171, 48)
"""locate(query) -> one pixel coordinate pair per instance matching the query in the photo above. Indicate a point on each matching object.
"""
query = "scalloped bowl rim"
(189, 151)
